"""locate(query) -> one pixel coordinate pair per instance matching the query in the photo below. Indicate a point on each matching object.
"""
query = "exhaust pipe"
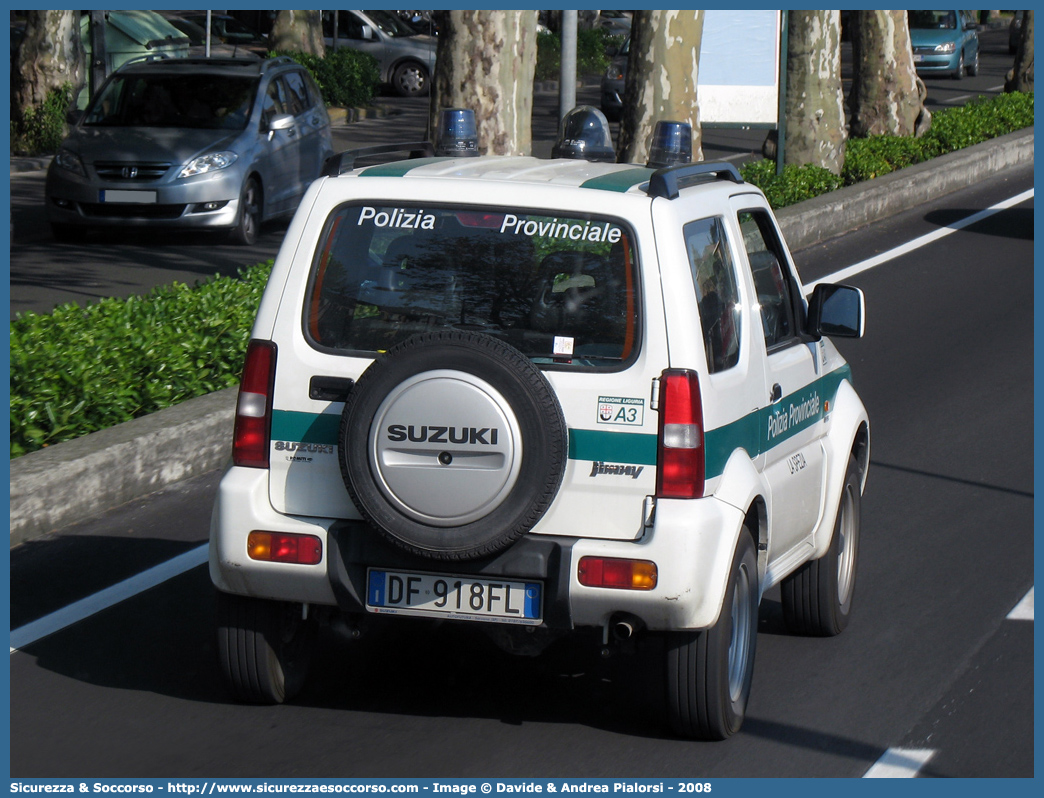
(623, 630)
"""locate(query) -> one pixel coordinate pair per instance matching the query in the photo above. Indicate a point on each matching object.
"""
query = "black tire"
(709, 672)
(68, 233)
(265, 647)
(539, 458)
(959, 72)
(248, 223)
(817, 598)
(410, 79)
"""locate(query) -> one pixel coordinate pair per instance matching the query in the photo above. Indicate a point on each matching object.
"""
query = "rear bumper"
(691, 542)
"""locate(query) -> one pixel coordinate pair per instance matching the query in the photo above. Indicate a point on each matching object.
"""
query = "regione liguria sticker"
(621, 410)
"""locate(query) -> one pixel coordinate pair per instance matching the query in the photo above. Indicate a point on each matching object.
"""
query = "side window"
(275, 102)
(297, 93)
(714, 279)
(775, 291)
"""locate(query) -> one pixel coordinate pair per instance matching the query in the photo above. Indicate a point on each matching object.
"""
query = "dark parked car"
(944, 42)
(209, 144)
(613, 83)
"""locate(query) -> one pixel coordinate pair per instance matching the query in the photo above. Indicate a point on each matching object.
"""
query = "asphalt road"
(929, 661)
(125, 261)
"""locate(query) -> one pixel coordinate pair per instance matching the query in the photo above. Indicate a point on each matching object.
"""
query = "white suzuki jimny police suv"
(542, 397)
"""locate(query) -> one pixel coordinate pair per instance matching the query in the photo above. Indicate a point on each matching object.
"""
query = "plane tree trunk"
(887, 97)
(815, 113)
(662, 75)
(1020, 78)
(50, 56)
(486, 61)
(298, 32)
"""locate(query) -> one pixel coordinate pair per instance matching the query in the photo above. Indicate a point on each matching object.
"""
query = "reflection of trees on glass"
(388, 273)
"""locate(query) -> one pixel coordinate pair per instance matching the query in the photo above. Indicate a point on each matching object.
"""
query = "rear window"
(561, 289)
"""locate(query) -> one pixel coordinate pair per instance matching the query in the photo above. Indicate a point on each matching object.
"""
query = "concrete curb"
(73, 481)
(824, 217)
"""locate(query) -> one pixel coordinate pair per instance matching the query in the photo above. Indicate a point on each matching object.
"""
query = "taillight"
(250, 441)
(681, 462)
(616, 573)
(284, 547)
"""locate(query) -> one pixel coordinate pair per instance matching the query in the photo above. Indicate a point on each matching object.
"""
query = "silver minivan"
(214, 144)
(406, 58)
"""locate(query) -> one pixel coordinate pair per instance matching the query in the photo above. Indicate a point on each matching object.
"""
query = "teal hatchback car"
(944, 42)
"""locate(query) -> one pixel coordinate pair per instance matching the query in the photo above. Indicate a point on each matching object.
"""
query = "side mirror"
(280, 122)
(367, 32)
(836, 310)
(73, 116)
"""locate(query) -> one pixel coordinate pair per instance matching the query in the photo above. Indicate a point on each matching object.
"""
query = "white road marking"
(1024, 609)
(917, 243)
(84, 608)
(900, 763)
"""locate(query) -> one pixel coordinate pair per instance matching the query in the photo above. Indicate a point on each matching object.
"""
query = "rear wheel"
(410, 79)
(265, 647)
(709, 672)
(817, 598)
(248, 224)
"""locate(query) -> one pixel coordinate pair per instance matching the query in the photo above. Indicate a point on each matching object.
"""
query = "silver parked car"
(214, 144)
(406, 57)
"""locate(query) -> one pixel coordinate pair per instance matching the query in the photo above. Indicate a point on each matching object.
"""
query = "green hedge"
(952, 129)
(345, 77)
(41, 129)
(78, 370)
(591, 53)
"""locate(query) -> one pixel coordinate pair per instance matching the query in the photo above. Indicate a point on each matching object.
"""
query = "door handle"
(777, 393)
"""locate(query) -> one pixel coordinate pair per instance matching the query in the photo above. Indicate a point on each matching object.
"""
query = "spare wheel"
(453, 445)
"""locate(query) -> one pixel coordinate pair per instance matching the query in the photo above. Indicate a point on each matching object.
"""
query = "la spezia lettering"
(397, 217)
(782, 420)
(555, 228)
(598, 468)
(486, 436)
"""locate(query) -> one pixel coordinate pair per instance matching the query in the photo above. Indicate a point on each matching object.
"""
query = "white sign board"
(738, 83)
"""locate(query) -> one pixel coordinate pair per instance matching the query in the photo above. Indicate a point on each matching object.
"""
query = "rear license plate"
(467, 598)
(118, 195)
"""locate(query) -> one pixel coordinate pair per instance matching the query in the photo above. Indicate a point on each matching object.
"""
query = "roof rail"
(345, 161)
(669, 181)
(279, 60)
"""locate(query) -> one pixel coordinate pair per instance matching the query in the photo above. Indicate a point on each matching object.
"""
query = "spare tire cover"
(452, 445)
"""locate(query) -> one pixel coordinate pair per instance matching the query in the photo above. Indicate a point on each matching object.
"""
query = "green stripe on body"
(621, 181)
(398, 168)
(752, 433)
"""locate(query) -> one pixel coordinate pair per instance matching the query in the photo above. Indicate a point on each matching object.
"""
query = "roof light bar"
(456, 133)
(671, 144)
(584, 136)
